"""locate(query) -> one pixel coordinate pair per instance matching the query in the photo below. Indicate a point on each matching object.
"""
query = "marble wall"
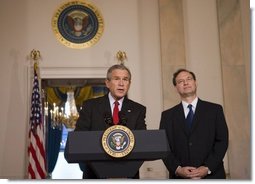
(172, 46)
(235, 65)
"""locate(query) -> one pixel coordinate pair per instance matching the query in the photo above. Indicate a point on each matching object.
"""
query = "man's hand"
(192, 172)
(185, 172)
(201, 171)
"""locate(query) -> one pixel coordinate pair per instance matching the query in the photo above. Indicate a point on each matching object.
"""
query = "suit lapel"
(181, 119)
(127, 111)
(105, 108)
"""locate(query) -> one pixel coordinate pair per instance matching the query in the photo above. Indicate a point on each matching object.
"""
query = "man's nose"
(121, 82)
(186, 82)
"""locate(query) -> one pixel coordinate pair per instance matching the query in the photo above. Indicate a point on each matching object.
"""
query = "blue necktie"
(190, 115)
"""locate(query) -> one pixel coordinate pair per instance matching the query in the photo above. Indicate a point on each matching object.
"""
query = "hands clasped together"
(192, 172)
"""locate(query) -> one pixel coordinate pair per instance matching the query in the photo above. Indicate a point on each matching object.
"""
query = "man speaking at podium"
(98, 114)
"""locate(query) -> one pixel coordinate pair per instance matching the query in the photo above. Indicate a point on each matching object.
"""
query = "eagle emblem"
(118, 141)
(78, 23)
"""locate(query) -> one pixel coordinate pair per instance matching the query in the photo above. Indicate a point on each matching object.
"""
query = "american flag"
(36, 149)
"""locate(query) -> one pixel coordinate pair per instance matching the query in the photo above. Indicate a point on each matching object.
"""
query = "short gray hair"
(115, 67)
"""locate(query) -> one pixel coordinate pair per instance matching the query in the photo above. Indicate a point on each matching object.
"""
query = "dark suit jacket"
(93, 114)
(204, 144)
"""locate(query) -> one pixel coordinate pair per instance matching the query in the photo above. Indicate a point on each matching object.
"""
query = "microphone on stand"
(108, 118)
(122, 119)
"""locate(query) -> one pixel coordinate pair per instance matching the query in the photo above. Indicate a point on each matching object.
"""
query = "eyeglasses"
(183, 81)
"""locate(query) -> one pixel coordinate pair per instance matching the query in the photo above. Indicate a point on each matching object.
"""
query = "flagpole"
(35, 55)
(36, 147)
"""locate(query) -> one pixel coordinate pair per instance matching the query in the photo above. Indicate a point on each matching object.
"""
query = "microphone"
(122, 118)
(108, 118)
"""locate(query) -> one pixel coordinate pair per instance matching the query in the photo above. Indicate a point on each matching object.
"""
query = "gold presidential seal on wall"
(78, 24)
(118, 141)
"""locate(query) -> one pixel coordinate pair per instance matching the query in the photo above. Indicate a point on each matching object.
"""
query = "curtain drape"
(54, 135)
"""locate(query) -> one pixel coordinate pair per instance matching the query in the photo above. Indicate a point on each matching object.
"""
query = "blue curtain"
(54, 135)
(53, 145)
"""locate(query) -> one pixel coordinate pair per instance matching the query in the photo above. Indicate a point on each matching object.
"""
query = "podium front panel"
(116, 169)
(86, 146)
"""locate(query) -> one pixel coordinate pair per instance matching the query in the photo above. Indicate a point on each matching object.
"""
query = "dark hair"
(117, 66)
(179, 71)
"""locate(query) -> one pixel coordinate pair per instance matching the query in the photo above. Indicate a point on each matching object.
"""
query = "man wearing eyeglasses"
(197, 133)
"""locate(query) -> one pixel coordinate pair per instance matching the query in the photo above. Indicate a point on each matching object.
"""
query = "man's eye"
(180, 81)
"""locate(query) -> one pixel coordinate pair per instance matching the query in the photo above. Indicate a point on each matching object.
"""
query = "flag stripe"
(36, 149)
(31, 172)
(36, 155)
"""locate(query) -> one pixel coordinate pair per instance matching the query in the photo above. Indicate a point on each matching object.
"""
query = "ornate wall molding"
(72, 72)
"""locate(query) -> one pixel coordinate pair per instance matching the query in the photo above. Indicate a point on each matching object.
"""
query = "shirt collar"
(193, 103)
(112, 100)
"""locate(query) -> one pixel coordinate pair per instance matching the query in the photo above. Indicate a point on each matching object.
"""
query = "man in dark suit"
(97, 112)
(197, 148)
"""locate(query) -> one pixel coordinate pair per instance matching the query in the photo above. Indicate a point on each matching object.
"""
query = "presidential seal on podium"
(118, 141)
(78, 24)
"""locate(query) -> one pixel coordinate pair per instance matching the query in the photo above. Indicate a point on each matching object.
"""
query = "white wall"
(13, 95)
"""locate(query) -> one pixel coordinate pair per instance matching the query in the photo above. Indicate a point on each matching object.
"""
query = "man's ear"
(107, 83)
(176, 89)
